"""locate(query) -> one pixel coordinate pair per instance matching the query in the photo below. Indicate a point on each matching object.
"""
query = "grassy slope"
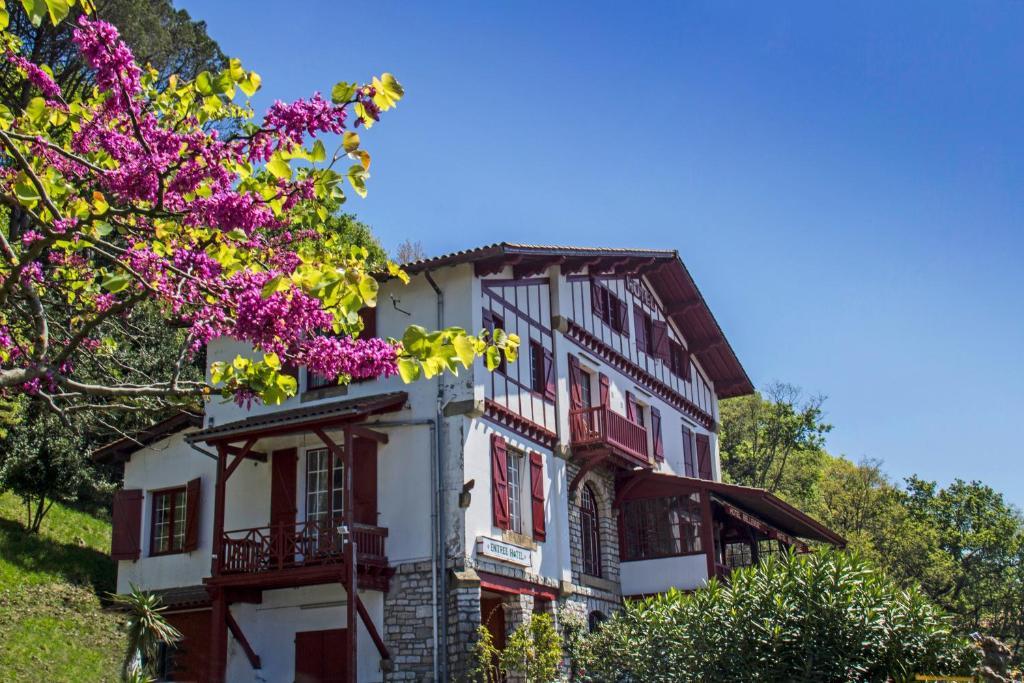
(52, 627)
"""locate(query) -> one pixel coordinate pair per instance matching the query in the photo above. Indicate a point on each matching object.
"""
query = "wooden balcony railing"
(600, 426)
(283, 546)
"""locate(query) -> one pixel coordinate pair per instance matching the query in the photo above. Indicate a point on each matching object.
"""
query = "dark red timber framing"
(522, 395)
(345, 548)
(661, 273)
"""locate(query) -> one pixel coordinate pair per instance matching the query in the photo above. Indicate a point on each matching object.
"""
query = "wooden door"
(189, 659)
(364, 480)
(492, 616)
(283, 508)
(320, 656)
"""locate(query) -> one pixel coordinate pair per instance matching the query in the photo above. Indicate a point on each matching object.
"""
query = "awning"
(757, 502)
(323, 415)
(122, 449)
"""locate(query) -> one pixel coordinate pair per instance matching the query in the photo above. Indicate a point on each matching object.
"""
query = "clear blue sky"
(843, 180)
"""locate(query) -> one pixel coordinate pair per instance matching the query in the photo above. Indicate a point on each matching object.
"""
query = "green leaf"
(409, 370)
(492, 358)
(415, 340)
(279, 167)
(368, 287)
(464, 349)
(350, 141)
(250, 84)
(388, 91)
(274, 285)
(116, 283)
(36, 109)
(25, 190)
(5, 19)
(36, 10)
(204, 83)
(343, 92)
(236, 70)
(58, 9)
(318, 153)
(272, 360)
(357, 176)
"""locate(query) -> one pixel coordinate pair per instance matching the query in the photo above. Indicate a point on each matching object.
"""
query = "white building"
(583, 473)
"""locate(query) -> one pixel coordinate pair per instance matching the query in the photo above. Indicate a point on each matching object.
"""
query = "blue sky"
(843, 180)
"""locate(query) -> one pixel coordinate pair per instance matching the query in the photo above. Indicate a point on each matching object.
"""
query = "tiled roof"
(299, 418)
(121, 449)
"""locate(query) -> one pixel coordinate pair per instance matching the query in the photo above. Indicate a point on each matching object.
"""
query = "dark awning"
(757, 502)
(323, 415)
(121, 449)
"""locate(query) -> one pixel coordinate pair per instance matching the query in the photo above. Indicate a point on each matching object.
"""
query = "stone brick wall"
(603, 485)
(409, 624)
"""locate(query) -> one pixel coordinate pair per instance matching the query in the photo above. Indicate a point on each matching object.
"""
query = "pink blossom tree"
(134, 196)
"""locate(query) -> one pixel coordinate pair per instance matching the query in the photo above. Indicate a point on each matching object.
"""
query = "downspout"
(442, 555)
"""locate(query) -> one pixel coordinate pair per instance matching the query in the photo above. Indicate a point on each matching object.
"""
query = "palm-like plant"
(147, 630)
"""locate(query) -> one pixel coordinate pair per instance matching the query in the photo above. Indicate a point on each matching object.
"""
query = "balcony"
(300, 553)
(599, 428)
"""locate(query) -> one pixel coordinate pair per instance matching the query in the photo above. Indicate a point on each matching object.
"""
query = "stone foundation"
(409, 623)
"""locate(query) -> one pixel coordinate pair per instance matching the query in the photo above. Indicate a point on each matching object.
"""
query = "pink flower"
(107, 54)
(36, 76)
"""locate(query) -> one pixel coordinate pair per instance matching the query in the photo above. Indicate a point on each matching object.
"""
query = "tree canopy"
(136, 200)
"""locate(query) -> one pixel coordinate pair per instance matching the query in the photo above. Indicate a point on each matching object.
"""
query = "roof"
(762, 504)
(122, 449)
(303, 419)
(665, 272)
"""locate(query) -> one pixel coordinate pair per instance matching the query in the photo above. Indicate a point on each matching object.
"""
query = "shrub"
(826, 616)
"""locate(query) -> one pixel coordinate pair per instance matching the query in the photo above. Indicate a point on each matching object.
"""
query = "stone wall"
(409, 623)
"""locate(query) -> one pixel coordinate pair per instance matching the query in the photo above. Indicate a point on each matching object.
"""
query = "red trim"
(588, 341)
(505, 584)
(528, 429)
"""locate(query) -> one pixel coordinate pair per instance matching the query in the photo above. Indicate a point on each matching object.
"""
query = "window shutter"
(630, 407)
(598, 299)
(659, 340)
(621, 316)
(192, 490)
(687, 372)
(499, 481)
(659, 445)
(703, 456)
(126, 526)
(688, 451)
(575, 382)
(537, 495)
(639, 322)
(369, 318)
(605, 390)
(364, 480)
(488, 320)
(549, 375)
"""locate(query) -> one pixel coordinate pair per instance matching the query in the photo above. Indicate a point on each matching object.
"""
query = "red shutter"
(364, 480)
(499, 481)
(703, 456)
(598, 299)
(659, 340)
(126, 525)
(192, 515)
(575, 382)
(621, 316)
(630, 407)
(605, 390)
(283, 468)
(549, 375)
(659, 444)
(369, 318)
(687, 451)
(639, 322)
(537, 495)
(686, 364)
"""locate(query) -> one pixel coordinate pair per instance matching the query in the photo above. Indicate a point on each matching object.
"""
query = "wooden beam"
(254, 455)
(236, 631)
(628, 486)
(367, 433)
(495, 265)
(349, 555)
(239, 458)
(707, 531)
(372, 629)
(218, 635)
(535, 266)
(682, 307)
(705, 345)
(577, 265)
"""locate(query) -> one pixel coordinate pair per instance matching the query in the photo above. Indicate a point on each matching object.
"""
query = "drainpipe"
(442, 554)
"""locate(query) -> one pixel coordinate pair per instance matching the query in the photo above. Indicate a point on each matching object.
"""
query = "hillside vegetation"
(52, 625)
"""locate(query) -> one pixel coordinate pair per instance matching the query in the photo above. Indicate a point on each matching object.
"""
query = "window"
(492, 322)
(688, 467)
(679, 360)
(542, 372)
(322, 497)
(369, 319)
(738, 555)
(590, 527)
(608, 308)
(595, 619)
(661, 527)
(168, 533)
(586, 392)
(515, 491)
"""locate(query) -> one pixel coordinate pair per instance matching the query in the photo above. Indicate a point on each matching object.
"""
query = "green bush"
(827, 616)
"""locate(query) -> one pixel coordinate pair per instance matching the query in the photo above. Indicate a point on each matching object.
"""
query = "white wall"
(270, 628)
(655, 576)
(168, 463)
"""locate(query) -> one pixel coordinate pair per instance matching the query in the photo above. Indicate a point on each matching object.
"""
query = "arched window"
(591, 527)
